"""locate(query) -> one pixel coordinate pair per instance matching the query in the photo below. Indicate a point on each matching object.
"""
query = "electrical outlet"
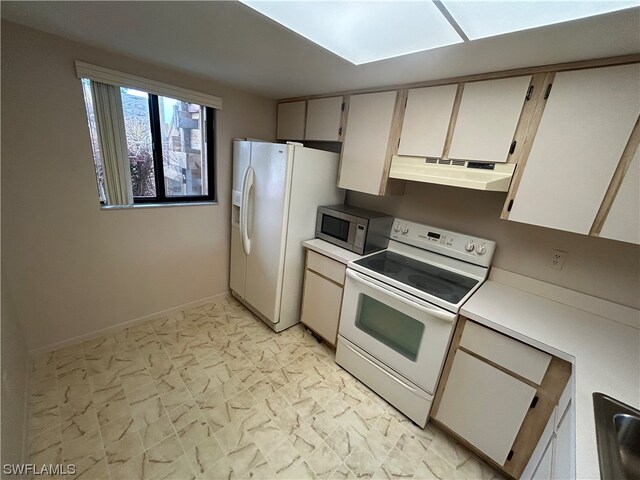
(558, 257)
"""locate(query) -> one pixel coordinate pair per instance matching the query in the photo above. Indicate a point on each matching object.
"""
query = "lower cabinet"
(484, 405)
(544, 470)
(562, 459)
(322, 297)
(499, 397)
(556, 463)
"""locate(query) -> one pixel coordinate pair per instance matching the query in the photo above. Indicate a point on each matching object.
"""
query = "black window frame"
(158, 168)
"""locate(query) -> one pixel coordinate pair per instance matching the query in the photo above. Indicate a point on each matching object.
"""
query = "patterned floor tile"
(213, 393)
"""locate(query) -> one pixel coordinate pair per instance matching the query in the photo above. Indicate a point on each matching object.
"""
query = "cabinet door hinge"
(534, 402)
(340, 131)
(529, 93)
(510, 205)
(405, 102)
(342, 107)
(548, 92)
(510, 456)
(398, 143)
(513, 147)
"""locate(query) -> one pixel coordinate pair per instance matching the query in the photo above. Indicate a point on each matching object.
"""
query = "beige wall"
(73, 268)
(14, 381)
(596, 266)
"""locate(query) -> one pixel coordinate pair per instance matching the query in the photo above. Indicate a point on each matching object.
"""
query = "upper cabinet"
(623, 220)
(324, 119)
(584, 130)
(488, 118)
(563, 142)
(370, 141)
(314, 120)
(426, 121)
(291, 120)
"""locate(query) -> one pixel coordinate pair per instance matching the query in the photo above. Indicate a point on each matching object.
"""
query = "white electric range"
(399, 310)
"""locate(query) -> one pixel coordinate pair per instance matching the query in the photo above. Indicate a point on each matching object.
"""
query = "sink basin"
(628, 437)
(618, 433)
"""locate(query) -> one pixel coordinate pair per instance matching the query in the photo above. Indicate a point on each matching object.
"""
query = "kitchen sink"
(618, 433)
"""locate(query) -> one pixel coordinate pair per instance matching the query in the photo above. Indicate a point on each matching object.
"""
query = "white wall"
(74, 269)
(15, 364)
(595, 266)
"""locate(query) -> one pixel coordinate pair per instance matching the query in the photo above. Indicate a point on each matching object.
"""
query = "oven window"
(335, 227)
(391, 327)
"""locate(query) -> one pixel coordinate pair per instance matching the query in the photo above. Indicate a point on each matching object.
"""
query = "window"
(169, 145)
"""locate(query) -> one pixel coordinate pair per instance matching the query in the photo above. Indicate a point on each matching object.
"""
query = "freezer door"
(238, 267)
(267, 208)
(241, 161)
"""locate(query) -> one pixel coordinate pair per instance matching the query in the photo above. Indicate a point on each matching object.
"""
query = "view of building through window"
(183, 154)
(137, 125)
(182, 147)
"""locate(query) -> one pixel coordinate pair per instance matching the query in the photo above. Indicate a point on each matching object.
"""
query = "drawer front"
(526, 361)
(326, 267)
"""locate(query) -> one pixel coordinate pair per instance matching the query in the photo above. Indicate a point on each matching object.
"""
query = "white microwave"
(356, 229)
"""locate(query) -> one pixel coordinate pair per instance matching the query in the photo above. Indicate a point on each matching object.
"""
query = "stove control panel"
(453, 244)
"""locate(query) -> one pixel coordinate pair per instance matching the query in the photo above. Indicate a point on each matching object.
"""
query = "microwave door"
(336, 229)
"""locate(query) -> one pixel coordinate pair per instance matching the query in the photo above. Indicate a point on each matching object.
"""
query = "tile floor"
(213, 393)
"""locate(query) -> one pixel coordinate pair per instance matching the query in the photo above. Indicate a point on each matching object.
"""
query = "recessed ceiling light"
(363, 31)
(481, 19)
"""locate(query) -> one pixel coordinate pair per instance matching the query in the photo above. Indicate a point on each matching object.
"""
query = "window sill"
(156, 205)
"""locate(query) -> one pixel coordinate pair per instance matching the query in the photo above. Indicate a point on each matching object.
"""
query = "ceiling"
(229, 42)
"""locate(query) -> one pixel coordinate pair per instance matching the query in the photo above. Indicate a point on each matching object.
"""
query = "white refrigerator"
(277, 189)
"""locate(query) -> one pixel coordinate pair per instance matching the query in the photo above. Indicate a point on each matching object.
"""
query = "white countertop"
(330, 250)
(605, 353)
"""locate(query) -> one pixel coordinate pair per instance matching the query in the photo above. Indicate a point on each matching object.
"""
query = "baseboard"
(129, 323)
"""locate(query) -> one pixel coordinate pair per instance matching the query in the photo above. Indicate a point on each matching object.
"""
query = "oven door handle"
(433, 311)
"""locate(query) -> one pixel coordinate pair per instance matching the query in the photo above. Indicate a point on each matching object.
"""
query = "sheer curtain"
(113, 143)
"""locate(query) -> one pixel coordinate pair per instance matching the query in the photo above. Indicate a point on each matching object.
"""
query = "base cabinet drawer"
(321, 304)
(515, 356)
(326, 267)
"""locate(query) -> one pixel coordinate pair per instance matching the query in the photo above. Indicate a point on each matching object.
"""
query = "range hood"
(493, 177)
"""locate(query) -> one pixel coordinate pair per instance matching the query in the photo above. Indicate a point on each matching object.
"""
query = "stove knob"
(481, 250)
(405, 230)
(469, 247)
(396, 227)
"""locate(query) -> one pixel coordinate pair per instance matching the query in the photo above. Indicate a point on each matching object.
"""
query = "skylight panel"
(481, 19)
(363, 31)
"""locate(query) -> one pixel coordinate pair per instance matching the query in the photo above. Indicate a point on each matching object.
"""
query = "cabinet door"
(364, 149)
(563, 464)
(544, 469)
(321, 304)
(484, 405)
(291, 118)
(623, 221)
(584, 129)
(487, 119)
(324, 116)
(426, 121)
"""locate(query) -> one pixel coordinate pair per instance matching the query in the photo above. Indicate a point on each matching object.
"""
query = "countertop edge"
(327, 249)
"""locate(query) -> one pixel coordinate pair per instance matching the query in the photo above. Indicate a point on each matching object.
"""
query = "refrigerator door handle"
(244, 210)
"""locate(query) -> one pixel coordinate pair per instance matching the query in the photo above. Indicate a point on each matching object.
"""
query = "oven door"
(405, 333)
